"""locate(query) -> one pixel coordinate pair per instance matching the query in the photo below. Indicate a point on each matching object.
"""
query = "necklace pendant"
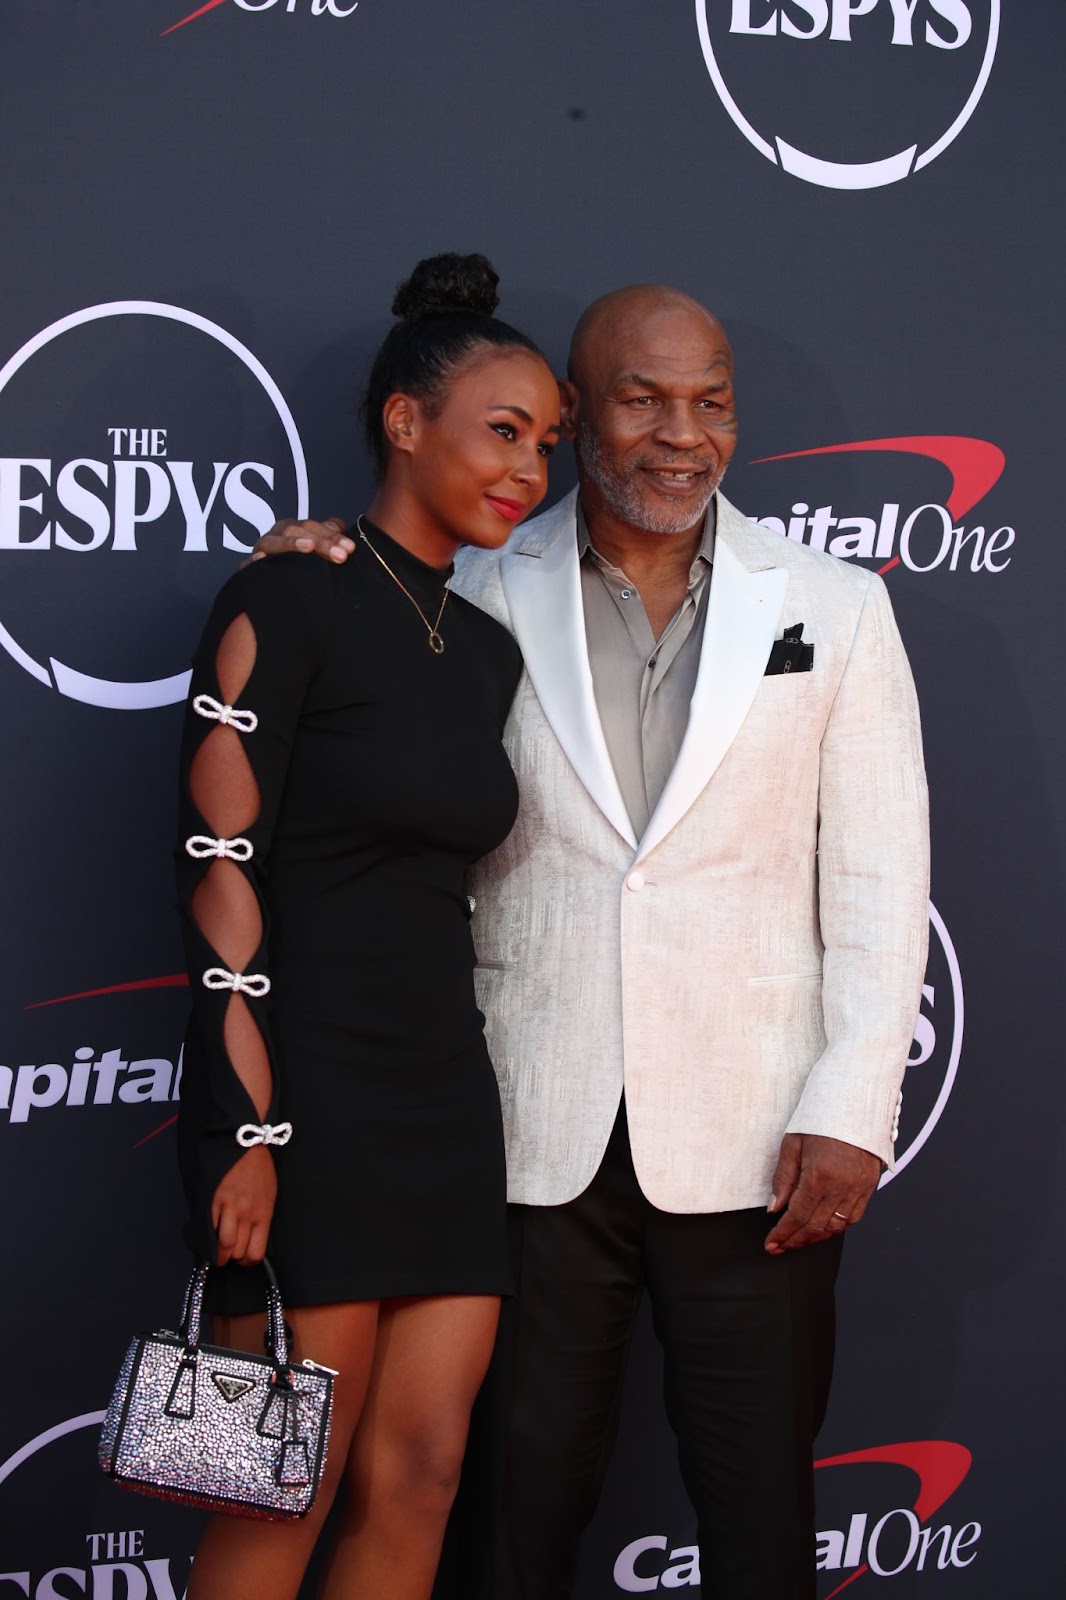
(436, 643)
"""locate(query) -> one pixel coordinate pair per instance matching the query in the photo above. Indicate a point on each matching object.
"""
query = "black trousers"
(748, 1345)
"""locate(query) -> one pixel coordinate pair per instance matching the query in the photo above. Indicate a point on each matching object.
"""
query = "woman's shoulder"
(291, 584)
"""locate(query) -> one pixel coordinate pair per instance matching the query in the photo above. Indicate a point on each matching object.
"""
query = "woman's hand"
(243, 1207)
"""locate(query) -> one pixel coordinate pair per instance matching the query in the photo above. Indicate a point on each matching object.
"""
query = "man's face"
(654, 416)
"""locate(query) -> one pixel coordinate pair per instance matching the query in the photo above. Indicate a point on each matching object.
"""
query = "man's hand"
(243, 1208)
(825, 1185)
(326, 539)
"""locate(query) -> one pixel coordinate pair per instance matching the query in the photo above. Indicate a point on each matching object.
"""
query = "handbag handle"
(277, 1344)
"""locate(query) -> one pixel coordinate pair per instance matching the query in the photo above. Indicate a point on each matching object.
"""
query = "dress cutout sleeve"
(256, 660)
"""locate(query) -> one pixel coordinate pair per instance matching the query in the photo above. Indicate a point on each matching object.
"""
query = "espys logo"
(114, 1564)
(167, 435)
(314, 8)
(849, 94)
(901, 1538)
(927, 536)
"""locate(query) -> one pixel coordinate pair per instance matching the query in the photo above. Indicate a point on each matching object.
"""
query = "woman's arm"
(250, 678)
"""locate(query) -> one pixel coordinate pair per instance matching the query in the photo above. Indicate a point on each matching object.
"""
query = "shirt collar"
(704, 555)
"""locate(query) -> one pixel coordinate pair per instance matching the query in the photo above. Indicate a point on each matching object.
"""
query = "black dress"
(381, 778)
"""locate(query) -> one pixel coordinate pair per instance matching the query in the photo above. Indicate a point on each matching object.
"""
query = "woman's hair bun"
(448, 283)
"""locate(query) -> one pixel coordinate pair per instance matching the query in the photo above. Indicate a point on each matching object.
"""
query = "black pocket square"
(790, 654)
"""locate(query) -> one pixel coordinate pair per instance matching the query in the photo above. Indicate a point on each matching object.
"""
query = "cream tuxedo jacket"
(753, 964)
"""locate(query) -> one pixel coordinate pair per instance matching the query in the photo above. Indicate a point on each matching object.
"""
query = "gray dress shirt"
(643, 685)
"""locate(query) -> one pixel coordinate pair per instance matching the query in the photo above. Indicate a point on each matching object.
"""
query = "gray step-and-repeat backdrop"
(205, 210)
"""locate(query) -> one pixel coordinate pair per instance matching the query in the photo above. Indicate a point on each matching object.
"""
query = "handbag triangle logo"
(229, 1387)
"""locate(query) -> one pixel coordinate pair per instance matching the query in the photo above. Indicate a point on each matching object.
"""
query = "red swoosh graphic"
(173, 980)
(974, 464)
(163, 1126)
(939, 1464)
(210, 6)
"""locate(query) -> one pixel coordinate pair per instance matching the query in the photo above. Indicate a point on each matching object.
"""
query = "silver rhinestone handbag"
(219, 1428)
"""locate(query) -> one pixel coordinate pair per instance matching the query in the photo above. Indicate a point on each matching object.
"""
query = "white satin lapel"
(744, 607)
(542, 583)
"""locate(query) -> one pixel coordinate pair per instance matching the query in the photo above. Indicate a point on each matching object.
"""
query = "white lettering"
(687, 1573)
(13, 502)
(104, 1581)
(817, 10)
(993, 547)
(843, 11)
(797, 524)
(151, 1083)
(625, 1568)
(318, 7)
(820, 524)
(873, 1549)
(27, 1097)
(79, 1075)
(127, 516)
(902, 18)
(196, 515)
(260, 5)
(83, 504)
(860, 543)
(741, 20)
(21, 1578)
(856, 1534)
(965, 1537)
(927, 1538)
(7, 1078)
(886, 532)
(158, 1569)
(243, 503)
(946, 532)
(107, 1070)
(956, 14)
(46, 1589)
(830, 1551)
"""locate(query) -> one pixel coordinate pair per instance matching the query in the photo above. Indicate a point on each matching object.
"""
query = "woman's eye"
(546, 450)
(506, 430)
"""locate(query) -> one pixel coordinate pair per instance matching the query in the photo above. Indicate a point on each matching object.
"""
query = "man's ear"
(400, 416)
(568, 406)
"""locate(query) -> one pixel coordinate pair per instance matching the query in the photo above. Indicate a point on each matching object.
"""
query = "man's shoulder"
(477, 570)
(764, 547)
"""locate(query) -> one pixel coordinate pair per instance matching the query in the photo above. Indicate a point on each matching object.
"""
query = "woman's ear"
(568, 403)
(400, 417)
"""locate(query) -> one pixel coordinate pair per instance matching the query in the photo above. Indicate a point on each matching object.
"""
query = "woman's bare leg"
(240, 1559)
(403, 1466)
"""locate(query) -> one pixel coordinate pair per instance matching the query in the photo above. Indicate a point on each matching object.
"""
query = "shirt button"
(635, 881)
(626, 594)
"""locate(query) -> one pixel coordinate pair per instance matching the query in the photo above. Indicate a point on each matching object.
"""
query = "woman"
(342, 768)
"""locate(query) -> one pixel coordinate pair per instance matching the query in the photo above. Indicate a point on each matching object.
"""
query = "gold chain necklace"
(436, 643)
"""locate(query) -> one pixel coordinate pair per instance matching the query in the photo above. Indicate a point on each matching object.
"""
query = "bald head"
(641, 314)
(649, 405)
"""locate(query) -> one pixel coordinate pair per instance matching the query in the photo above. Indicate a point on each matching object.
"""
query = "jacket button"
(635, 881)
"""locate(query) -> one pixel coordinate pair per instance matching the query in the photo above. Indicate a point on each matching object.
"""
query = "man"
(701, 953)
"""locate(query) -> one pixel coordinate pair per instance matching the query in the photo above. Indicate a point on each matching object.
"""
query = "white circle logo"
(934, 1060)
(818, 86)
(159, 450)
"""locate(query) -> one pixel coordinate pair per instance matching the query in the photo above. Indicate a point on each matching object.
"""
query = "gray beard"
(623, 499)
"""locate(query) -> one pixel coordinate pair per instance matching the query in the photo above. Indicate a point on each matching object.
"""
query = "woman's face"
(481, 464)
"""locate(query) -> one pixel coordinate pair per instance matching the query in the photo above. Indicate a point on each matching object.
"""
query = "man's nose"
(679, 427)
